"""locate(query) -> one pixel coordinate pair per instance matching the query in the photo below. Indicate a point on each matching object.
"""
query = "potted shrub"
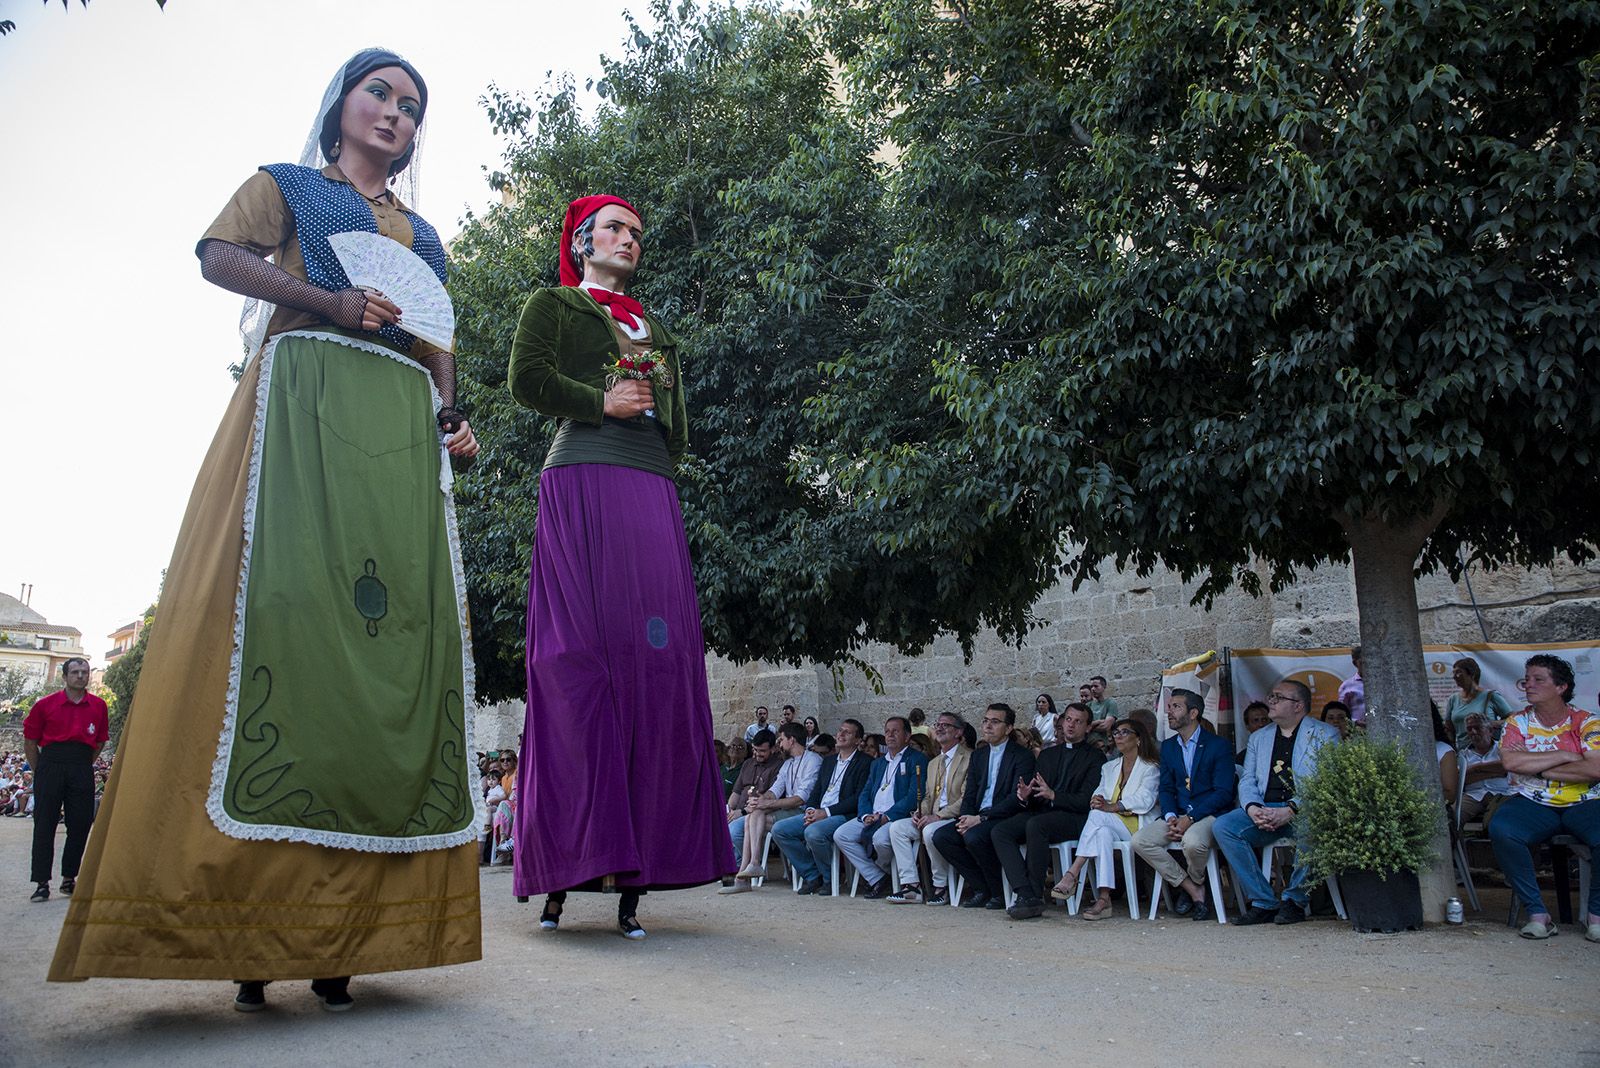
(1366, 819)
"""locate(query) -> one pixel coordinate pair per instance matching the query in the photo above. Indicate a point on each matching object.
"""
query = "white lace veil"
(255, 316)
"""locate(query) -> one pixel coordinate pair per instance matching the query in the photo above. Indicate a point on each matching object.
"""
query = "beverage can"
(1453, 912)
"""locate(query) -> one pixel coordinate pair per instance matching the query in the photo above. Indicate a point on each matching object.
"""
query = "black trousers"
(59, 786)
(972, 855)
(1038, 831)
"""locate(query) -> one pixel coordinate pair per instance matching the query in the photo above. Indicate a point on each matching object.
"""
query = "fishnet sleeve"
(241, 271)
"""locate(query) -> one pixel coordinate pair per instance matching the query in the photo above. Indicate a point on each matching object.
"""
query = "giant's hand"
(629, 398)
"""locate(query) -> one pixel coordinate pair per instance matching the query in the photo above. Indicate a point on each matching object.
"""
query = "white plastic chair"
(1161, 892)
(1266, 870)
(1129, 876)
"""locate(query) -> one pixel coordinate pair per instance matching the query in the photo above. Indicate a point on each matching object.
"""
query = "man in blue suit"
(1279, 755)
(1197, 786)
(893, 790)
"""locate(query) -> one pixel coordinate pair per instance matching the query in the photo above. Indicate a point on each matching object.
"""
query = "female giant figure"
(292, 798)
(619, 787)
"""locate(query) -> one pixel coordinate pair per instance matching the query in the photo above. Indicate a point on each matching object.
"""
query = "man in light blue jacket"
(1279, 755)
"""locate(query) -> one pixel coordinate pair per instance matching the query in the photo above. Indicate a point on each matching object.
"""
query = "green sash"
(346, 722)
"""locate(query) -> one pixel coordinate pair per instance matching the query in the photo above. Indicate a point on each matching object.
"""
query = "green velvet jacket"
(565, 342)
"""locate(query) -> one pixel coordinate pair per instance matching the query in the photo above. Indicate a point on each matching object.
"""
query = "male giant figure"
(998, 768)
(1197, 786)
(894, 787)
(1056, 804)
(1278, 756)
(807, 839)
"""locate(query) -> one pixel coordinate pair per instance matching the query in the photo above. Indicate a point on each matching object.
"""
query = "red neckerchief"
(624, 309)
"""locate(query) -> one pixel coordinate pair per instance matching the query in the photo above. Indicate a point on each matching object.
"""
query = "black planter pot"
(1376, 903)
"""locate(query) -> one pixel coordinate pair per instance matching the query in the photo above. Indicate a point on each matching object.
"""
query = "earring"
(333, 153)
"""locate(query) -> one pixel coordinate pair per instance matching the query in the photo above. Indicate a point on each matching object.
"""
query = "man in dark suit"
(1055, 804)
(1197, 786)
(995, 772)
(807, 839)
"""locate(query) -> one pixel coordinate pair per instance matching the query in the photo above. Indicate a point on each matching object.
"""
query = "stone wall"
(1128, 629)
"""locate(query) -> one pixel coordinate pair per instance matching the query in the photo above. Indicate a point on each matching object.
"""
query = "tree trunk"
(1383, 556)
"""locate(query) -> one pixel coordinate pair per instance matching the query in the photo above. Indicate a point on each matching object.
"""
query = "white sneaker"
(1593, 933)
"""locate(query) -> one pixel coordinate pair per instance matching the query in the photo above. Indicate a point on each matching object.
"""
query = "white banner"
(1254, 671)
(1201, 674)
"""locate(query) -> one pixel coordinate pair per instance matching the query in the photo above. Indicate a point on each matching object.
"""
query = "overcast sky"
(125, 128)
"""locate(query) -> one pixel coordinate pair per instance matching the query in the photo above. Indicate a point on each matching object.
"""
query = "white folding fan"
(376, 262)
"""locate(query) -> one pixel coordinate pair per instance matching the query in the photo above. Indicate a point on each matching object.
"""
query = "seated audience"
(755, 778)
(990, 798)
(1255, 717)
(1486, 783)
(738, 751)
(807, 839)
(872, 746)
(1552, 751)
(893, 789)
(1051, 804)
(919, 724)
(823, 745)
(1277, 758)
(1337, 714)
(941, 803)
(1044, 717)
(1197, 786)
(924, 744)
(1444, 751)
(788, 791)
(1029, 739)
(1124, 802)
(813, 729)
(1471, 696)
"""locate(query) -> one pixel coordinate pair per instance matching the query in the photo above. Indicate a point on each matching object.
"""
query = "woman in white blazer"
(1125, 801)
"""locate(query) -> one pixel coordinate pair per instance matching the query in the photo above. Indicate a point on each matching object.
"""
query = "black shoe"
(976, 901)
(550, 917)
(811, 886)
(1290, 912)
(333, 993)
(995, 904)
(1254, 915)
(629, 926)
(41, 893)
(879, 891)
(68, 886)
(1026, 908)
(252, 996)
(938, 897)
(1183, 903)
(1200, 910)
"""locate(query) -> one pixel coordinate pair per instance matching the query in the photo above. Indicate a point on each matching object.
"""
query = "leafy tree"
(14, 683)
(711, 124)
(1235, 284)
(7, 25)
(122, 678)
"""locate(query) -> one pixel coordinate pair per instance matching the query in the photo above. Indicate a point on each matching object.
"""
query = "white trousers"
(904, 837)
(1101, 832)
(848, 839)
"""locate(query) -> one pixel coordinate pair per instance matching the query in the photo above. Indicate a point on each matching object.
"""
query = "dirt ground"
(769, 978)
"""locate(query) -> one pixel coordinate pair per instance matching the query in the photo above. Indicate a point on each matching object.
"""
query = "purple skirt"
(618, 776)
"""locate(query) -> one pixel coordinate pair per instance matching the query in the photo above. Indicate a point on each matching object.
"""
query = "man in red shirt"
(63, 735)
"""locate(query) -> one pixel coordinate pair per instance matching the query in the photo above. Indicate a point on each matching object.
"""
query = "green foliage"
(14, 683)
(8, 26)
(1212, 277)
(764, 250)
(122, 678)
(1364, 809)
